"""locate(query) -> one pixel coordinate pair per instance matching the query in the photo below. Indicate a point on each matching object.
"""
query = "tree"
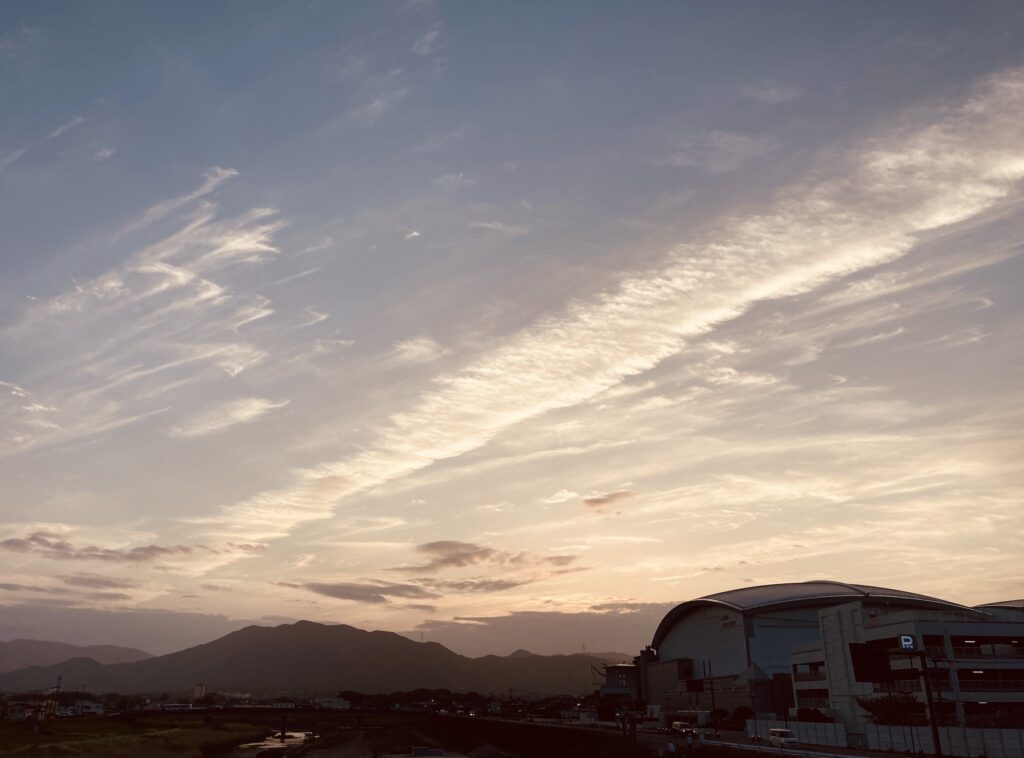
(813, 715)
(897, 709)
(740, 716)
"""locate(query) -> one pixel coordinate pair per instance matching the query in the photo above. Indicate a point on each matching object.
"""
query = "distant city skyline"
(503, 321)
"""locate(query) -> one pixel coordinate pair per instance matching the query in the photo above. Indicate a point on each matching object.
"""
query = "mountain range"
(311, 658)
(17, 654)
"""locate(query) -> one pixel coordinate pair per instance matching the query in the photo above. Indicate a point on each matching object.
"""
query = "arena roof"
(814, 593)
(1004, 604)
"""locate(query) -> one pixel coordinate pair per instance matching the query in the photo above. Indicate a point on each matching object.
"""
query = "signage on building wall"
(907, 642)
(728, 622)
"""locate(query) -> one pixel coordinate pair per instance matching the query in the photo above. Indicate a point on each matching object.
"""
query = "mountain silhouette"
(310, 658)
(17, 654)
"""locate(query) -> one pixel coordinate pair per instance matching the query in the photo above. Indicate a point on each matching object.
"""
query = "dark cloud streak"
(481, 585)
(451, 554)
(599, 501)
(95, 581)
(11, 587)
(371, 592)
(68, 596)
(49, 545)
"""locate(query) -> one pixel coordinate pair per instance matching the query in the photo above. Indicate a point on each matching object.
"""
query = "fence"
(955, 740)
(807, 732)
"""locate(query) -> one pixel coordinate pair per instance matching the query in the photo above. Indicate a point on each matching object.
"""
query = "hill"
(18, 654)
(316, 658)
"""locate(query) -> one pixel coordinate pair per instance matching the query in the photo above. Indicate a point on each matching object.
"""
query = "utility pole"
(711, 682)
(933, 720)
(753, 707)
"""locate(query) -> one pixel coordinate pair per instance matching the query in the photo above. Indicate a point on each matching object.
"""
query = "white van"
(781, 738)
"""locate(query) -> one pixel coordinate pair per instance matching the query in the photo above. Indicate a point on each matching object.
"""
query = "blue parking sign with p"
(907, 642)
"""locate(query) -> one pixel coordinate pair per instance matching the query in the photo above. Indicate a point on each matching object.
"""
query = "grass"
(113, 738)
(374, 734)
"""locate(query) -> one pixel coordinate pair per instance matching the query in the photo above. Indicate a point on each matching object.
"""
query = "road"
(764, 748)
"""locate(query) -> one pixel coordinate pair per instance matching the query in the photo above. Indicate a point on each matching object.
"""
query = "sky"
(503, 325)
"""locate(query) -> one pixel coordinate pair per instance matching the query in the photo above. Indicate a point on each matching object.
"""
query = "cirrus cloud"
(242, 411)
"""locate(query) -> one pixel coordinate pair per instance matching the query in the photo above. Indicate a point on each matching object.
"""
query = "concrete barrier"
(959, 741)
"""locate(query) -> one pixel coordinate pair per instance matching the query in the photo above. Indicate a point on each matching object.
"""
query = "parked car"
(781, 738)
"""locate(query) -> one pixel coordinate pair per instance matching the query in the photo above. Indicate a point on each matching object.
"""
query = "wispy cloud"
(103, 154)
(417, 6)
(458, 179)
(718, 151)
(315, 317)
(955, 339)
(213, 178)
(11, 157)
(382, 103)
(871, 338)
(255, 311)
(242, 411)
(865, 207)
(415, 350)
(424, 607)
(445, 140)
(481, 585)
(512, 230)
(429, 41)
(561, 496)
(14, 389)
(166, 323)
(66, 126)
(770, 93)
(14, 45)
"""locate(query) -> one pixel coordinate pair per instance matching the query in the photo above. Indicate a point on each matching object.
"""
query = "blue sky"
(477, 319)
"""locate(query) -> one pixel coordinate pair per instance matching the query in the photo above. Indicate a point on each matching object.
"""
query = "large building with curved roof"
(780, 650)
(1009, 610)
(760, 600)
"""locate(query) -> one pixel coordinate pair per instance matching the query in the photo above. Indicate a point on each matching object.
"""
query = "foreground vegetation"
(116, 738)
(343, 734)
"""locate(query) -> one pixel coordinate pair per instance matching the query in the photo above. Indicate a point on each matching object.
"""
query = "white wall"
(956, 740)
